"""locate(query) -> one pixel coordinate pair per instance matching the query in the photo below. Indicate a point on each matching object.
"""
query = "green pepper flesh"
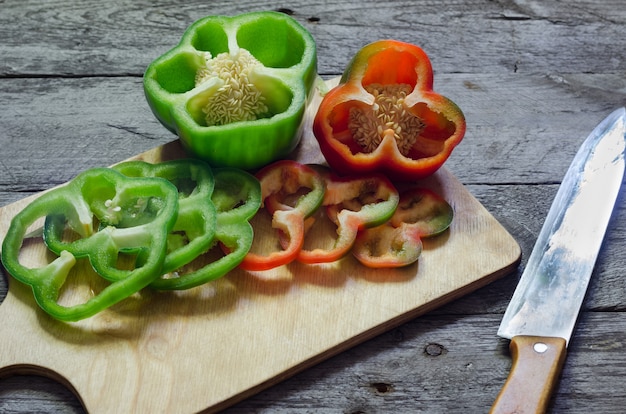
(421, 213)
(96, 196)
(226, 118)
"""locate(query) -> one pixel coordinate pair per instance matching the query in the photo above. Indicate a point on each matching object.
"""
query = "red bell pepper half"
(302, 189)
(385, 117)
(397, 243)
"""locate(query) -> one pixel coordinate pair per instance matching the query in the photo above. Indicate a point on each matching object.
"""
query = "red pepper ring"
(302, 189)
(352, 203)
(421, 213)
(385, 117)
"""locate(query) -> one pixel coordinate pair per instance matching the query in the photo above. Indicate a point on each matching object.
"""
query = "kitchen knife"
(543, 310)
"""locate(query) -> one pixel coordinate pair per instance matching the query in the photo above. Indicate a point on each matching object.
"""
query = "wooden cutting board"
(214, 345)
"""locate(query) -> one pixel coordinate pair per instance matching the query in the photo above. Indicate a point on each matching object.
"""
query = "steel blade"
(553, 285)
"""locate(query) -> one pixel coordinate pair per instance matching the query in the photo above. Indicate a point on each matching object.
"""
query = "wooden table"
(533, 79)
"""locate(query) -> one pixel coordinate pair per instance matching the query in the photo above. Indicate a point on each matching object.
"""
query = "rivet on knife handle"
(537, 363)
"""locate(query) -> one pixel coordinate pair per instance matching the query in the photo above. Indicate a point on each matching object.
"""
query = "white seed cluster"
(388, 113)
(110, 206)
(112, 211)
(238, 99)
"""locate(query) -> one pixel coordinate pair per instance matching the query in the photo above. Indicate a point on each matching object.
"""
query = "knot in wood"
(434, 350)
(381, 387)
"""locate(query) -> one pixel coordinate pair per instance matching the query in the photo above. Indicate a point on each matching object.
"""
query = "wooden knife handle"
(536, 368)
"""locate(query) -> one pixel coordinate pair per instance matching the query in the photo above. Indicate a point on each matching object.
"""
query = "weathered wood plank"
(521, 209)
(63, 126)
(452, 364)
(521, 128)
(533, 77)
(72, 133)
(480, 36)
(523, 219)
(432, 365)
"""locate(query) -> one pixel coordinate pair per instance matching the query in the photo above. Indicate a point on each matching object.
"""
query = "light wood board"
(211, 346)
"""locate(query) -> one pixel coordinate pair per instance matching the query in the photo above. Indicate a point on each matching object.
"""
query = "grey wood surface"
(533, 78)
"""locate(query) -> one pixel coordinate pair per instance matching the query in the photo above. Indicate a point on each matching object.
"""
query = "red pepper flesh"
(352, 203)
(421, 213)
(385, 117)
(287, 180)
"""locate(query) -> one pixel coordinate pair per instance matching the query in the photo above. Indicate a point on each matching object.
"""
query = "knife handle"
(537, 363)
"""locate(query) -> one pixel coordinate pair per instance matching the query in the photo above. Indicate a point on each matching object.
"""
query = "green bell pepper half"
(235, 89)
(107, 214)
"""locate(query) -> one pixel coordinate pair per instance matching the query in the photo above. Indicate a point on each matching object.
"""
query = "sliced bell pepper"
(302, 189)
(397, 243)
(352, 203)
(385, 117)
(237, 198)
(134, 215)
(213, 207)
(194, 231)
(235, 89)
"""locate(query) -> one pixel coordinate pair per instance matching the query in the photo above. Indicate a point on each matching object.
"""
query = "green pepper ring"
(109, 196)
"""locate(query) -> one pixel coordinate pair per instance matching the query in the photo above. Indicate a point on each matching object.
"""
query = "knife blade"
(544, 308)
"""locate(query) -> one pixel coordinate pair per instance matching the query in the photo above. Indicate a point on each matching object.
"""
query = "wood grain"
(536, 370)
(533, 77)
(229, 339)
(476, 36)
(522, 129)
